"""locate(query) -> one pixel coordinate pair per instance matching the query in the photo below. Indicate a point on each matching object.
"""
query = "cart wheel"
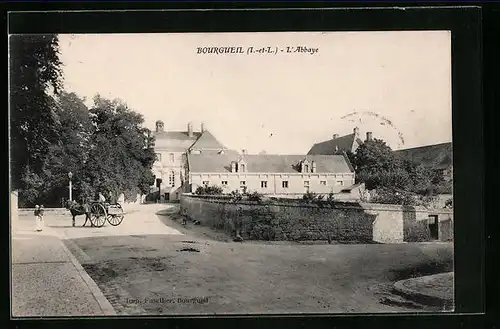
(98, 215)
(116, 218)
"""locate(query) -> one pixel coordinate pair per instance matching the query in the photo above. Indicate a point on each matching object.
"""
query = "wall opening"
(433, 227)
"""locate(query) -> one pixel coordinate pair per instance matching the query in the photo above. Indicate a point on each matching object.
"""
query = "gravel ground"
(158, 274)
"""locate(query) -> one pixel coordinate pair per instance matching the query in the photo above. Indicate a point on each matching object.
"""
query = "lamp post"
(70, 175)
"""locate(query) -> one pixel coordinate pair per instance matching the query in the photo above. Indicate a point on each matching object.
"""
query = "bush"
(318, 199)
(309, 197)
(208, 190)
(389, 196)
(236, 196)
(255, 196)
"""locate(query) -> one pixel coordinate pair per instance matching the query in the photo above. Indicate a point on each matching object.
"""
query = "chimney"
(244, 152)
(335, 136)
(313, 166)
(190, 129)
(202, 129)
(159, 125)
(356, 131)
(369, 136)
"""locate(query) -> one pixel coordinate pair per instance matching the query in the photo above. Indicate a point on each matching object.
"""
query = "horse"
(77, 209)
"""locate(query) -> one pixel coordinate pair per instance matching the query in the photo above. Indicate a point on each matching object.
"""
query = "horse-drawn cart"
(102, 211)
(97, 212)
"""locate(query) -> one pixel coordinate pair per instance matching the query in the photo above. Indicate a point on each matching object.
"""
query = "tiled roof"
(179, 141)
(179, 135)
(267, 163)
(333, 146)
(352, 187)
(438, 156)
(207, 141)
(175, 141)
(217, 152)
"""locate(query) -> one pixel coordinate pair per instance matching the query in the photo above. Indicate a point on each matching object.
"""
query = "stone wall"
(293, 220)
(280, 221)
(416, 224)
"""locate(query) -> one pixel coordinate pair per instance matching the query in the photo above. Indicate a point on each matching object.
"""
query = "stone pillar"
(14, 207)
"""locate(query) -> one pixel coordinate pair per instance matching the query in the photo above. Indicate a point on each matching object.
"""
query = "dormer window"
(233, 166)
(305, 166)
(242, 166)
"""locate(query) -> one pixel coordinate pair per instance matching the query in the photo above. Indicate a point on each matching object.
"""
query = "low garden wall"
(295, 220)
(23, 212)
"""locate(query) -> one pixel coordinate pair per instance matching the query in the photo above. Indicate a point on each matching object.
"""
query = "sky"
(396, 85)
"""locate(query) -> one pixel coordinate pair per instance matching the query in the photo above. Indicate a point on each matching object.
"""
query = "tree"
(71, 152)
(120, 151)
(380, 168)
(34, 73)
(377, 166)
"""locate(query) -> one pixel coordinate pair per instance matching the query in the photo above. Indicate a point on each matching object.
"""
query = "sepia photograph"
(231, 173)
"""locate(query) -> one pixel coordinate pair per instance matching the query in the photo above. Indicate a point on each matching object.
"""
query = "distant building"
(171, 148)
(336, 145)
(435, 157)
(279, 175)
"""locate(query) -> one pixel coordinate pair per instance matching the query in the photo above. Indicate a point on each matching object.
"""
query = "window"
(224, 182)
(158, 157)
(263, 184)
(306, 168)
(205, 182)
(171, 157)
(306, 183)
(322, 182)
(243, 183)
(340, 182)
(171, 178)
(242, 167)
(284, 184)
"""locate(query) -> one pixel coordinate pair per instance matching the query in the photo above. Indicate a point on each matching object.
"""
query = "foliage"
(380, 168)
(377, 166)
(31, 193)
(390, 196)
(53, 132)
(34, 73)
(314, 198)
(72, 149)
(120, 156)
(208, 190)
(236, 196)
(449, 203)
(255, 196)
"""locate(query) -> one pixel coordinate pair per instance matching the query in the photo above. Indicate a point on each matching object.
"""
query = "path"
(48, 281)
